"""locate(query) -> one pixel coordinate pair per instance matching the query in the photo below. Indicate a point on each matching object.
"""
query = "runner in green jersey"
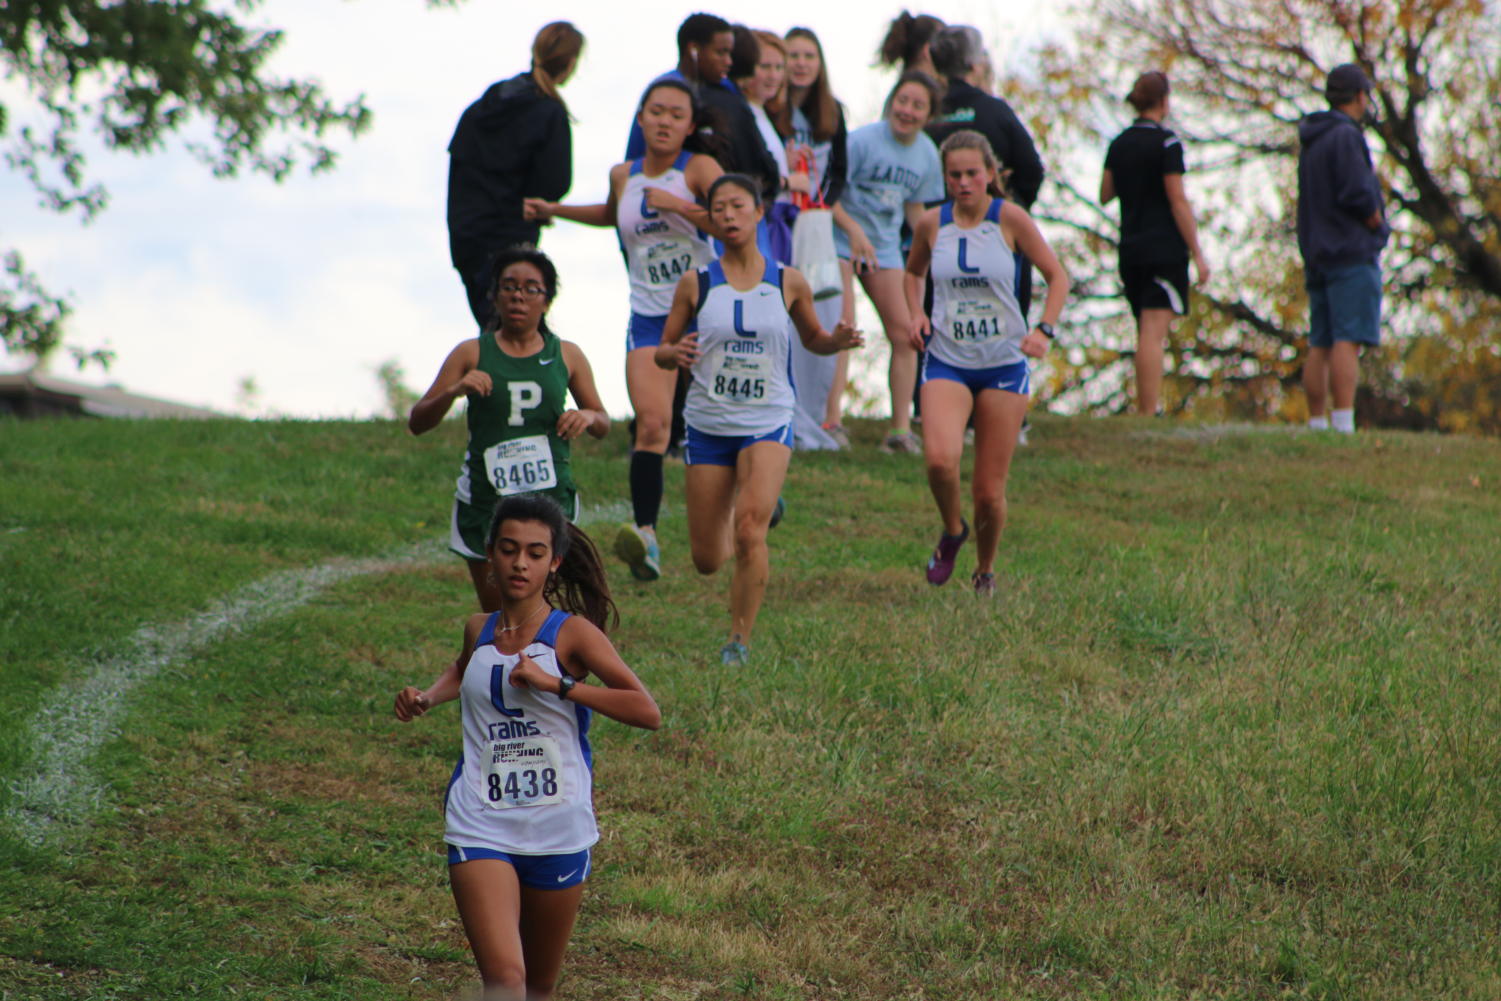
(516, 377)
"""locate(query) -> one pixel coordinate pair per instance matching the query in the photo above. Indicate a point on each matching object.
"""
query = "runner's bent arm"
(677, 348)
(457, 377)
(590, 415)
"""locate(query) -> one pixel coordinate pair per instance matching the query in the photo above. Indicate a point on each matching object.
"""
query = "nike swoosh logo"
(564, 879)
(547, 362)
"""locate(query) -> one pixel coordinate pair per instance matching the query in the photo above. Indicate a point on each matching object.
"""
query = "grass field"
(1233, 729)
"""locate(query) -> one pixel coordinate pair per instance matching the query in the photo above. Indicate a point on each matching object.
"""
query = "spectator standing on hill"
(1144, 167)
(706, 51)
(513, 143)
(905, 46)
(959, 57)
(814, 119)
(1341, 232)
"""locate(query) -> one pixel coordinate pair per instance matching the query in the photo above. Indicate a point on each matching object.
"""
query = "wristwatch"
(1046, 329)
(565, 685)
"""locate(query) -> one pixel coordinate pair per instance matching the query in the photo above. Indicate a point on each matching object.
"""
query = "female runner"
(519, 809)
(740, 401)
(653, 203)
(517, 377)
(893, 173)
(977, 344)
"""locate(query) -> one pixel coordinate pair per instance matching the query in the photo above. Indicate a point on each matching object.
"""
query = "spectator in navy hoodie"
(1341, 231)
(513, 143)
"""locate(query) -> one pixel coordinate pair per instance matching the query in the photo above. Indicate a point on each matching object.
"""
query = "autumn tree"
(1243, 73)
(134, 74)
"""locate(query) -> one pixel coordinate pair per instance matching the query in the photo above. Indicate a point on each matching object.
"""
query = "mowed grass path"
(1232, 730)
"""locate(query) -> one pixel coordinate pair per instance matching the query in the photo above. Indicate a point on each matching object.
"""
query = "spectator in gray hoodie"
(1341, 231)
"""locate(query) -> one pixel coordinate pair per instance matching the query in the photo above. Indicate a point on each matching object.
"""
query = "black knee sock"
(646, 486)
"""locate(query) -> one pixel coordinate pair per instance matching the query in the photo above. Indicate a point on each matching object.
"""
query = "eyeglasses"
(531, 290)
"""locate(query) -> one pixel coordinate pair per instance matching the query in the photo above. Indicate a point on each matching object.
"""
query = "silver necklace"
(512, 629)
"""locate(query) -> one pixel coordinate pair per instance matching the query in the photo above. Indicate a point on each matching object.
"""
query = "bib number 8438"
(523, 786)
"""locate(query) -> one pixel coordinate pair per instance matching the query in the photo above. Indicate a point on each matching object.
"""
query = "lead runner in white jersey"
(519, 808)
(654, 206)
(740, 404)
(978, 344)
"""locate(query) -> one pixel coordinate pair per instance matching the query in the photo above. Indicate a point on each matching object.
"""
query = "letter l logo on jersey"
(740, 320)
(964, 257)
(647, 212)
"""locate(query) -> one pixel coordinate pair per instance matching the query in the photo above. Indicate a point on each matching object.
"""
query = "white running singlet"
(742, 381)
(524, 784)
(976, 320)
(660, 247)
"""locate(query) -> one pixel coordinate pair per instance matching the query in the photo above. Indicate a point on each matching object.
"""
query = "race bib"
(521, 465)
(524, 772)
(666, 262)
(975, 321)
(740, 378)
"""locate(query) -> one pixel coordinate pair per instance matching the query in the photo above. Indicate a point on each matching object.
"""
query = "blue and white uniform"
(660, 248)
(742, 381)
(977, 323)
(524, 786)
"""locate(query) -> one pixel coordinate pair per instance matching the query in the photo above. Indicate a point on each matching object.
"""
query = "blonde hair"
(776, 102)
(970, 139)
(554, 50)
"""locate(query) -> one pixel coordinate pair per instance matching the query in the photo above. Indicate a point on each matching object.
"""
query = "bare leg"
(1316, 381)
(547, 918)
(946, 407)
(834, 408)
(885, 290)
(710, 499)
(998, 418)
(759, 474)
(650, 390)
(489, 901)
(1344, 373)
(1151, 334)
(485, 587)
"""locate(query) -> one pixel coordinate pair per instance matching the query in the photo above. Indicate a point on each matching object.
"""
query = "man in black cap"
(1341, 230)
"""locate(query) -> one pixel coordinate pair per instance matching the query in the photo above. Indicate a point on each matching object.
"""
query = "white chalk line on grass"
(78, 719)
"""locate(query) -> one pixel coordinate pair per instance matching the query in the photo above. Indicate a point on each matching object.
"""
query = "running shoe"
(640, 551)
(941, 563)
(1021, 436)
(839, 434)
(733, 654)
(984, 584)
(901, 443)
(777, 513)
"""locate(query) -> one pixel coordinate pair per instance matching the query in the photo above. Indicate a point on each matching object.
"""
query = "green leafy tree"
(1244, 72)
(136, 73)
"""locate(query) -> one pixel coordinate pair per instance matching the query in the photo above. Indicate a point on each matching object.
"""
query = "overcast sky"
(308, 286)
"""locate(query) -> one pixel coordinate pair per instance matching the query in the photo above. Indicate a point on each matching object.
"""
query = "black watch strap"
(1047, 330)
(565, 685)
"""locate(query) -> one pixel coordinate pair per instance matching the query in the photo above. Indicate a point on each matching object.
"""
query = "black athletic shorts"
(1156, 286)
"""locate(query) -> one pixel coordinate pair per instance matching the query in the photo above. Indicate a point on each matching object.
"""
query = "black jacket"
(1337, 192)
(513, 143)
(968, 107)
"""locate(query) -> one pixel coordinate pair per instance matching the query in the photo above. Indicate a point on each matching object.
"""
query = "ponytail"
(554, 50)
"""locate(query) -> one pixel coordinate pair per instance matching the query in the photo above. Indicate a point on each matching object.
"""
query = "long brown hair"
(579, 585)
(905, 38)
(818, 104)
(556, 47)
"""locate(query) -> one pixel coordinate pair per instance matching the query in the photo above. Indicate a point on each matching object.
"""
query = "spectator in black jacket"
(959, 56)
(706, 48)
(1341, 231)
(513, 143)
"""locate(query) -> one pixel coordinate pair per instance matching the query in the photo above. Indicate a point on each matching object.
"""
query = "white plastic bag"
(813, 252)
